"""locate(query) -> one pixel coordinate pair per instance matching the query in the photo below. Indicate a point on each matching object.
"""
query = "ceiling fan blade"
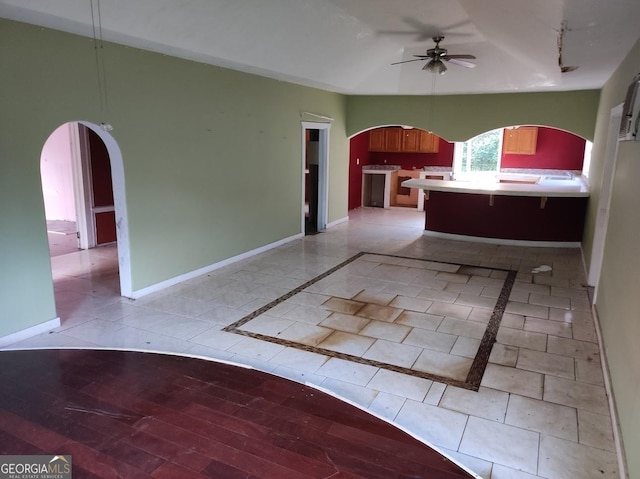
(463, 57)
(462, 63)
(407, 61)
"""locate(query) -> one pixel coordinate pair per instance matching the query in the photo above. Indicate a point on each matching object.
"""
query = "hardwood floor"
(147, 415)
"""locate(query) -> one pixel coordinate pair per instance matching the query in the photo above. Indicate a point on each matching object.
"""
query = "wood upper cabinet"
(377, 140)
(420, 141)
(411, 141)
(394, 139)
(403, 140)
(429, 143)
(520, 141)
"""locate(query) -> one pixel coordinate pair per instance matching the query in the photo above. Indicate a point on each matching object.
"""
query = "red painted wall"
(100, 171)
(358, 149)
(105, 227)
(556, 150)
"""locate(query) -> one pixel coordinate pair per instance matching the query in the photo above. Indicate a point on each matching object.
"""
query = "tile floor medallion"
(439, 328)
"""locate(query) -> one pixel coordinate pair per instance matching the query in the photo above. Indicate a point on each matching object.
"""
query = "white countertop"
(575, 187)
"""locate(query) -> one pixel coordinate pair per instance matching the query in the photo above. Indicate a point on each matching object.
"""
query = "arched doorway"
(83, 189)
(77, 189)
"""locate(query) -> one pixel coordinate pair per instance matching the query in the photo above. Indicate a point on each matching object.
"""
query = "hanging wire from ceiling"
(98, 46)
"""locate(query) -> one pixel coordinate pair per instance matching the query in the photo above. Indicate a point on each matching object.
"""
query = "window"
(586, 163)
(481, 153)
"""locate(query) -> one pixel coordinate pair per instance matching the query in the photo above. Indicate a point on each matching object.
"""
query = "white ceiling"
(348, 46)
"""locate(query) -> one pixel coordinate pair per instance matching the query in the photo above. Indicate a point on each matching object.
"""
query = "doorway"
(604, 202)
(315, 172)
(83, 189)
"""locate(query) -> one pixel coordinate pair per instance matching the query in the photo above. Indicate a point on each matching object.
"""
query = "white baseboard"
(613, 410)
(507, 242)
(586, 269)
(584, 265)
(338, 221)
(29, 332)
(137, 294)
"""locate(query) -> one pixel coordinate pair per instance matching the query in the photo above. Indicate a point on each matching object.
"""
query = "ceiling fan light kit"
(436, 66)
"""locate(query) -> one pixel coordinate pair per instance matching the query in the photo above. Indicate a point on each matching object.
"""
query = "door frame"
(82, 186)
(604, 202)
(120, 206)
(323, 172)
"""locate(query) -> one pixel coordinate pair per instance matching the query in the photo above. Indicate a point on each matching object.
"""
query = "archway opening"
(416, 153)
(83, 191)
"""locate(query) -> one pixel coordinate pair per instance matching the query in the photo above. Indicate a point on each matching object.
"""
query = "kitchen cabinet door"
(377, 140)
(393, 139)
(411, 141)
(520, 141)
(428, 142)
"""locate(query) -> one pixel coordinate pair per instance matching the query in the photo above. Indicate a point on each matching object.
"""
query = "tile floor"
(541, 407)
(62, 237)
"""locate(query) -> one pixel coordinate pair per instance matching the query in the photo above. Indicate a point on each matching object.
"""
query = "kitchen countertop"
(380, 168)
(549, 186)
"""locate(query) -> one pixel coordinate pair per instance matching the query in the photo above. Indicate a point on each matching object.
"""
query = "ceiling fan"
(436, 55)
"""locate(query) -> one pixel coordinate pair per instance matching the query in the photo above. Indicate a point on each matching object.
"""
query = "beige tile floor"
(541, 409)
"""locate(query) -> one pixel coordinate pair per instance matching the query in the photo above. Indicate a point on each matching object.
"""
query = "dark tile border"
(480, 361)
(486, 344)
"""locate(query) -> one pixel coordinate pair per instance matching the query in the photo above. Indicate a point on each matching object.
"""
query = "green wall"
(618, 301)
(460, 117)
(212, 158)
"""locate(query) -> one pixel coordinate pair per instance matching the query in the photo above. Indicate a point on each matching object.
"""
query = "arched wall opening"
(554, 149)
(88, 195)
